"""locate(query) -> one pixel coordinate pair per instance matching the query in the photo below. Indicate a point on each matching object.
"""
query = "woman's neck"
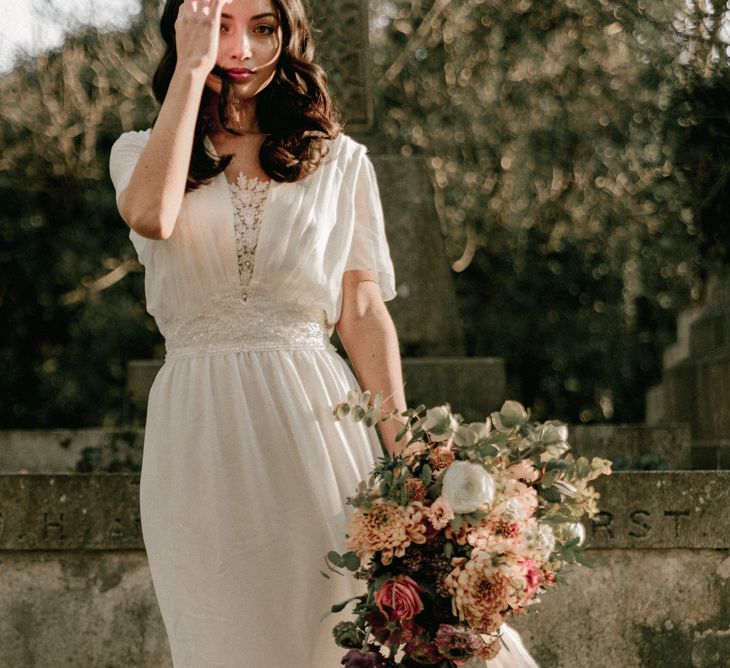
(245, 123)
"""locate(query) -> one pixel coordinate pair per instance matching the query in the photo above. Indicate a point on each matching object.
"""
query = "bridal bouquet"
(465, 526)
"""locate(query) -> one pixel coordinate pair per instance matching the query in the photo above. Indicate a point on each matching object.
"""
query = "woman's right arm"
(151, 202)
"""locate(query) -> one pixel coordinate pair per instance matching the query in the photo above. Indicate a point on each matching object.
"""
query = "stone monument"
(696, 381)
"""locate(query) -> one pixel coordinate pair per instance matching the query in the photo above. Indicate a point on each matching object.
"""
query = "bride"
(260, 228)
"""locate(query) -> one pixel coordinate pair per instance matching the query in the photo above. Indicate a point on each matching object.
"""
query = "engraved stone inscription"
(602, 522)
(640, 527)
(116, 530)
(676, 515)
(53, 528)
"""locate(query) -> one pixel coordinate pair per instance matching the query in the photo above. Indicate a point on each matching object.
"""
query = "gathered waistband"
(246, 327)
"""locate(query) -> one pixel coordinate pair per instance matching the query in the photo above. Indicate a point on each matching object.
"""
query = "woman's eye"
(224, 27)
(267, 29)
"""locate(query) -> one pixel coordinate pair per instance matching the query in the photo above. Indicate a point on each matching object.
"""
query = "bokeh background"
(580, 151)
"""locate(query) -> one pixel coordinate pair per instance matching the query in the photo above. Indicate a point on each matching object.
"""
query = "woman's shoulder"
(344, 148)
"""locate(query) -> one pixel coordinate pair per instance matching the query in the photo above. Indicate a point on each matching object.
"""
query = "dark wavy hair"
(295, 109)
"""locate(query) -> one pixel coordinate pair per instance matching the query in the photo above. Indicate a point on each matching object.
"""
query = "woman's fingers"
(197, 33)
(206, 7)
(215, 7)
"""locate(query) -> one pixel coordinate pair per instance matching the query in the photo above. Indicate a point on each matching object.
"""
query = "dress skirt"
(244, 477)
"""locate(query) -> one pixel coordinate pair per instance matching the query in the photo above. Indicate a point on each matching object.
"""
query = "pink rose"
(439, 513)
(399, 598)
(533, 578)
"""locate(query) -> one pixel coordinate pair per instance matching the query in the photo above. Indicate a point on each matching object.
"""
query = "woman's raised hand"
(197, 33)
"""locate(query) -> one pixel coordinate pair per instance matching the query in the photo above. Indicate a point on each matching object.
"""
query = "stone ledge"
(667, 509)
(70, 512)
(87, 450)
(677, 509)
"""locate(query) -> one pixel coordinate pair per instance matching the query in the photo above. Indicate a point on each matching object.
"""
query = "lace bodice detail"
(248, 195)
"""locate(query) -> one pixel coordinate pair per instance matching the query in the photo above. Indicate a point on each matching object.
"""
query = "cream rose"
(467, 486)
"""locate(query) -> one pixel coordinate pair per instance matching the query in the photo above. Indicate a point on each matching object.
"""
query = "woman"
(260, 227)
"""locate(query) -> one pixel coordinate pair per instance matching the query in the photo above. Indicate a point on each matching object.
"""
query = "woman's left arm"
(369, 337)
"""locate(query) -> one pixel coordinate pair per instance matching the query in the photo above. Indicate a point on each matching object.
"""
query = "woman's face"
(250, 39)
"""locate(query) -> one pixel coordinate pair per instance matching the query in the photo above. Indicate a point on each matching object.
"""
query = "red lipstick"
(239, 73)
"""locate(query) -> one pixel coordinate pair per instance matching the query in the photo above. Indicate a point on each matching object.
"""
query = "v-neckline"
(271, 192)
(209, 143)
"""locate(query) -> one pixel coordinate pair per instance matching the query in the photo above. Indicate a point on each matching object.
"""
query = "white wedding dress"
(245, 471)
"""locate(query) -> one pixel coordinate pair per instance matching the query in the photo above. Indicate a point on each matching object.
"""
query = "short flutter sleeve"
(370, 249)
(123, 158)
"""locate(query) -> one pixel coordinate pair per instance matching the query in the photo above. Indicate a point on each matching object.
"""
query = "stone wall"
(635, 446)
(75, 587)
(658, 592)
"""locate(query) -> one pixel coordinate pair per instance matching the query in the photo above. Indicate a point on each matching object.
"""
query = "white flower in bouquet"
(510, 415)
(571, 531)
(540, 539)
(480, 430)
(553, 434)
(440, 423)
(467, 486)
(513, 511)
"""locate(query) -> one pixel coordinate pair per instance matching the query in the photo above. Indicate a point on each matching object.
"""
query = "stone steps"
(629, 446)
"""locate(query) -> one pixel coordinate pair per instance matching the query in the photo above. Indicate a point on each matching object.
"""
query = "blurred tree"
(569, 202)
(70, 321)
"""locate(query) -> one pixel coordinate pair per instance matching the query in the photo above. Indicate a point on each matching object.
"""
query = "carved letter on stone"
(602, 522)
(116, 530)
(53, 525)
(676, 514)
(641, 527)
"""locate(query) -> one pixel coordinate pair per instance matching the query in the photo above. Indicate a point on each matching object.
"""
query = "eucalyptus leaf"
(580, 558)
(335, 558)
(351, 561)
(550, 494)
(338, 607)
(434, 490)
